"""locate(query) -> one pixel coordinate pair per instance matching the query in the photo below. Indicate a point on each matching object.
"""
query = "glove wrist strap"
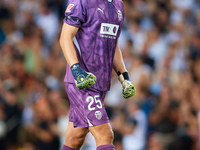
(76, 70)
(123, 76)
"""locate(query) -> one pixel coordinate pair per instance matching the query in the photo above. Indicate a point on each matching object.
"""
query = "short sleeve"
(121, 16)
(75, 13)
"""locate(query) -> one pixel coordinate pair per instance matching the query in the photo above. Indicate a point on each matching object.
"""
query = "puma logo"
(100, 10)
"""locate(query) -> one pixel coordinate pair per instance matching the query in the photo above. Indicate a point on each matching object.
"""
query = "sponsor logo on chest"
(109, 29)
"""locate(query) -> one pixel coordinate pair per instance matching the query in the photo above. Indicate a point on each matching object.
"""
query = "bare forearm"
(66, 43)
(68, 51)
(118, 62)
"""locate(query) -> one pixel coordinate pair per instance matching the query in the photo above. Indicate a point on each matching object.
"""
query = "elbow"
(65, 40)
(61, 41)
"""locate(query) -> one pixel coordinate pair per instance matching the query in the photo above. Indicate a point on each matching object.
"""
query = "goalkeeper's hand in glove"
(128, 90)
(82, 79)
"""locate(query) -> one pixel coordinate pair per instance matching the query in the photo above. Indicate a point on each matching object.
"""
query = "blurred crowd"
(160, 42)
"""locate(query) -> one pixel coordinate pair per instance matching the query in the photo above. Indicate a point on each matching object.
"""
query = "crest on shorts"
(98, 115)
(119, 15)
(69, 7)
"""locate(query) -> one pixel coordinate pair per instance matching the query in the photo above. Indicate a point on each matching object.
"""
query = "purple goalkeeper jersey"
(99, 23)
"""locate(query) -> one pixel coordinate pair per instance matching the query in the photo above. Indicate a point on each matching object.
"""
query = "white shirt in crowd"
(136, 140)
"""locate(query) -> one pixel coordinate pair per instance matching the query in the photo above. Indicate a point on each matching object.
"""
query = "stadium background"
(160, 41)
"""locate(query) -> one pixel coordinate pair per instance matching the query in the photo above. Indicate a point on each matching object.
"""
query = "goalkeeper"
(89, 40)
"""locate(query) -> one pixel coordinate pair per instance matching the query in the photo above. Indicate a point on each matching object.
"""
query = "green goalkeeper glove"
(82, 79)
(128, 90)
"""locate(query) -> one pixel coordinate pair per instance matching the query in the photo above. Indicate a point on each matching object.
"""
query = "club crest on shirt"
(69, 7)
(119, 15)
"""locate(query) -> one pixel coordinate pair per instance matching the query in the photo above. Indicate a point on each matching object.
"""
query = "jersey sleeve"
(121, 17)
(75, 13)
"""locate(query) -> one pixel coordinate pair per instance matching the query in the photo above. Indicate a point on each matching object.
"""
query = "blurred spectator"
(48, 22)
(132, 126)
(154, 142)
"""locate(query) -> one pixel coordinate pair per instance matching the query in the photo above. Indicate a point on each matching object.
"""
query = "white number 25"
(91, 100)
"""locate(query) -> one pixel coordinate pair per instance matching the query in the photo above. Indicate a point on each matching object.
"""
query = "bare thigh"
(75, 137)
(103, 134)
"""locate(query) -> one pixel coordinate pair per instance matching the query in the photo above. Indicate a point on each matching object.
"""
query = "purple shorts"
(86, 106)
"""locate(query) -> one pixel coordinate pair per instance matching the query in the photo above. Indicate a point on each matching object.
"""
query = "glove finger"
(89, 81)
(129, 92)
